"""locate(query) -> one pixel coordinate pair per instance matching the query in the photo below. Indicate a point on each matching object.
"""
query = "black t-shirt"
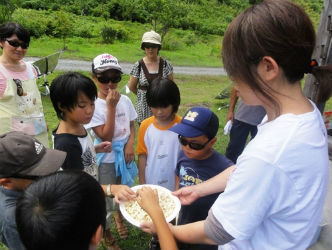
(80, 152)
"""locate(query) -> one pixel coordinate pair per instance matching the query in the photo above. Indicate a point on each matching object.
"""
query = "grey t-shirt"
(252, 115)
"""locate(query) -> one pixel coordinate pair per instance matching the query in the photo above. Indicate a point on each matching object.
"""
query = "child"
(65, 210)
(158, 148)
(198, 162)
(113, 120)
(73, 96)
(23, 159)
(148, 199)
(275, 195)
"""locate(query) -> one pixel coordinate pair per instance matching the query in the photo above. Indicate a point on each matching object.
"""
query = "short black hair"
(9, 29)
(65, 89)
(163, 92)
(61, 211)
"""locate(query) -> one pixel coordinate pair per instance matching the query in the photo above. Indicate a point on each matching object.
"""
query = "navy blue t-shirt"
(192, 172)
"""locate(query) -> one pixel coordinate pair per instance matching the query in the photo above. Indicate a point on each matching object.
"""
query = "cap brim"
(186, 130)
(51, 162)
(103, 69)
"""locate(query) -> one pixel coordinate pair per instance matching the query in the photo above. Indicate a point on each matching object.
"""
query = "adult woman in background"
(147, 69)
(20, 102)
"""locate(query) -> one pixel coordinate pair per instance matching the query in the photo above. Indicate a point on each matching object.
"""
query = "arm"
(106, 131)
(148, 200)
(103, 147)
(129, 147)
(141, 168)
(171, 77)
(189, 194)
(177, 182)
(132, 85)
(232, 102)
(193, 233)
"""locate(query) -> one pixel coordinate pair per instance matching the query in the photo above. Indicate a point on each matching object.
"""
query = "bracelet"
(108, 191)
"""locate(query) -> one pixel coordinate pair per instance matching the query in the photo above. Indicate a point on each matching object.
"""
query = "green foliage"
(110, 33)
(7, 7)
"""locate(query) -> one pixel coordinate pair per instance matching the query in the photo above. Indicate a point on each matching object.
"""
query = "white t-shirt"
(125, 113)
(275, 196)
(162, 148)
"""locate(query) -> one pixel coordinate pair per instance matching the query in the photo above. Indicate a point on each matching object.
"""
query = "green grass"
(199, 54)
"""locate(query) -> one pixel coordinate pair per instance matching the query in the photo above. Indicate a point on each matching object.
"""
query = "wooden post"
(322, 52)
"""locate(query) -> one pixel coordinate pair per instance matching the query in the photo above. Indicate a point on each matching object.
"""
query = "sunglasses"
(150, 45)
(106, 79)
(20, 91)
(17, 44)
(192, 145)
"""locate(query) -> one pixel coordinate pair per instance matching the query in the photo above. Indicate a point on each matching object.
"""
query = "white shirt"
(125, 113)
(275, 196)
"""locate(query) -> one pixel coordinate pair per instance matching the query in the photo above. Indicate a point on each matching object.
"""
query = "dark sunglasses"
(106, 79)
(150, 45)
(192, 145)
(17, 44)
(21, 176)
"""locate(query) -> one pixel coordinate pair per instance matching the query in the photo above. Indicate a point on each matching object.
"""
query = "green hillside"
(192, 30)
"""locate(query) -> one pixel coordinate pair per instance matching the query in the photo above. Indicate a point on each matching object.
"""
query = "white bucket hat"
(151, 37)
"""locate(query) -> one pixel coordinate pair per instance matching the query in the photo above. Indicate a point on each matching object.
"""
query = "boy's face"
(188, 145)
(163, 114)
(82, 112)
(107, 81)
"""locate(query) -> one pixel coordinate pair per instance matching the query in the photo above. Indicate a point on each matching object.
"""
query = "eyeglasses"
(106, 79)
(150, 45)
(17, 44)
(192, 145)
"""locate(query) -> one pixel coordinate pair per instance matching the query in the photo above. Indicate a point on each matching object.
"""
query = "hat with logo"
(105, 62)
(151, 37)
(197, 121)
(22, 154)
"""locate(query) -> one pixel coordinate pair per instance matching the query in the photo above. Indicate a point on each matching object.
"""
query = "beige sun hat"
(151, 37)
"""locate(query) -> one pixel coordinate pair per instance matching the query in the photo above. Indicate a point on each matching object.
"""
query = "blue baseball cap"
(197, 121)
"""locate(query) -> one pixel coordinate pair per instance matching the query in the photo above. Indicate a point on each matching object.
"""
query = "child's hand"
(103, 147)
(148, 199)
(122, 193)
(129, 153)
(113, 98)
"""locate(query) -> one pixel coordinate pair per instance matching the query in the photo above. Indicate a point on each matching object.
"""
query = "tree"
(63, 26)
(164, 13)
(7, 8)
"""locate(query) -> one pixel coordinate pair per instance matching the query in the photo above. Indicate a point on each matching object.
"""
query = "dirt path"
(67, 64)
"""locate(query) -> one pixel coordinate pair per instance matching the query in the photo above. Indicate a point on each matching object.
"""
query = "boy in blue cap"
(198, 162)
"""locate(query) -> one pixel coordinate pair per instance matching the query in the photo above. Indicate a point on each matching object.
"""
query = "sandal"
(121, 227)
(110, 241)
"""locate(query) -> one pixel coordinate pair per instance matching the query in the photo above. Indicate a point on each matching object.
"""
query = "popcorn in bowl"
(169, 204)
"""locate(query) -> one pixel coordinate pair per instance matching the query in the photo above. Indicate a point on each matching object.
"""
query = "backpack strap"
(161, 64)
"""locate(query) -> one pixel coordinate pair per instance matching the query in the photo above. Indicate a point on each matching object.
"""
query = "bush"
(171, 42)
(110, 33)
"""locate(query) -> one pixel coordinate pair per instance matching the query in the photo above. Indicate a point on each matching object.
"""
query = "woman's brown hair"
(276, 28)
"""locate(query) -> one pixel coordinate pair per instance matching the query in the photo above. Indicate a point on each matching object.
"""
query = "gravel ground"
(67, 65)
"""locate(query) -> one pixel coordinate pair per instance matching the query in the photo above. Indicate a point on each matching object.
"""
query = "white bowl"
(136, 223)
